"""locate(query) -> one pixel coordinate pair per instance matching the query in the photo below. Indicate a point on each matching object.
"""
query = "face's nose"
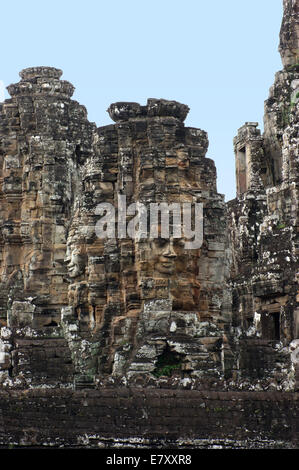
(67, 257)
(169, 250)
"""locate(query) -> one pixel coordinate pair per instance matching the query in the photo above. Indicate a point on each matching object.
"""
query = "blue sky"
(219, 57)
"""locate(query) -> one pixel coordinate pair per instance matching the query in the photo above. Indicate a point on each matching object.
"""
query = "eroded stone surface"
(149, 157)
(76, 309)
(289, 34)
(263, 222)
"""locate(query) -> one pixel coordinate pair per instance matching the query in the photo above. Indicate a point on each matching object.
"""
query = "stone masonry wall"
(122, 417)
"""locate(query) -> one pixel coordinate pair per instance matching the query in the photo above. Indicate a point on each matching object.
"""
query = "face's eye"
(179, 242)
(161, 242)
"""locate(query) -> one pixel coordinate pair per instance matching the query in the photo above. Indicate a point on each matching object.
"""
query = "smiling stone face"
(167, 255)
(74, 260)
(164, 255)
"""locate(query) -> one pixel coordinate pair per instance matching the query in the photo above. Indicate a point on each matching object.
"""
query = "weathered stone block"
(21, 314)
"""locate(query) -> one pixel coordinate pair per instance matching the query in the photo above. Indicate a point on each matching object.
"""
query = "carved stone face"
(74, 260)
(35, 261)
(165, 255)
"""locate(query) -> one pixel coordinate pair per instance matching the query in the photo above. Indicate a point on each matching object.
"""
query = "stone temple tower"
(43, 133)
(264, 224)
(117, 306)
(146, 300)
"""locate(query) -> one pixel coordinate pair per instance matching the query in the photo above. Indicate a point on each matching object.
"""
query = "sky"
(217, 56)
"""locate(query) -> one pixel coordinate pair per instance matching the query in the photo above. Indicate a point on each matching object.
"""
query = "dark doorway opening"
(271, 326)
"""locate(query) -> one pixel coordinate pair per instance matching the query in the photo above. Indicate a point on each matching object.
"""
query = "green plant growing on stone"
(167, 363)
(167, 370)
(293, 67)
(219, 409)
(286, 116)
(286, 111)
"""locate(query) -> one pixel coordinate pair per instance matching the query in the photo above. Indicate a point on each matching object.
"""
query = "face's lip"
(166, 260)
(168, 265)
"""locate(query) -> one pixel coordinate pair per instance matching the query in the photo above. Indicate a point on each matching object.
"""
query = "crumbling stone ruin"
(80, 312)
(263, 226)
